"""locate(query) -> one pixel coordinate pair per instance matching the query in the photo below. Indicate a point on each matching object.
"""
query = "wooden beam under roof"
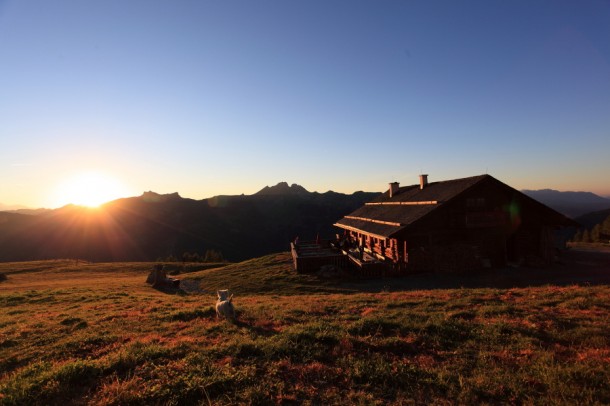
(383, 237)
(422, 203)
(388, 223)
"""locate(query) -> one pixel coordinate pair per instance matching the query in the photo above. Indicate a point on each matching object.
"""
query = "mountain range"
(154, 225)
(571, 204)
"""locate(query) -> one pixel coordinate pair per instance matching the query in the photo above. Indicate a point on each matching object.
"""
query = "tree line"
(209, 256)
(599, 233)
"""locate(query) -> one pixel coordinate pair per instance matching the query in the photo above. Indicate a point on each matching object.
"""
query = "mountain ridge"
(153, 225)
(282, 188)
(571, 204)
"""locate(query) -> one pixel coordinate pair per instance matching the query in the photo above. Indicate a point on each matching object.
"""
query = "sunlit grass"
(98, 334)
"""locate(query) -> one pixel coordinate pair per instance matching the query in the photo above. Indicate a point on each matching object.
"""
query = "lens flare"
(89, 189)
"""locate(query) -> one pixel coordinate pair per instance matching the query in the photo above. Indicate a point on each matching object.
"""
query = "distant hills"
(571, 204)
(31, 212)
(14, 208)
(154, 225)
(589, 220)
(7, 207)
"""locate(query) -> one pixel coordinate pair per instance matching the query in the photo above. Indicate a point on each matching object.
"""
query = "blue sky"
(210, 97)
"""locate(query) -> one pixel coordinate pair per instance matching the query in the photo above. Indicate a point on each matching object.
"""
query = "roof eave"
(350, 228)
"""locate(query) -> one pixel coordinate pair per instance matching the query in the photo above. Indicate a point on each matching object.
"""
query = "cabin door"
(511, 248)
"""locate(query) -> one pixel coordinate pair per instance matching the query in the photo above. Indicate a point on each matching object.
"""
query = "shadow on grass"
(572, 268)
(170, 290)
(258, 330)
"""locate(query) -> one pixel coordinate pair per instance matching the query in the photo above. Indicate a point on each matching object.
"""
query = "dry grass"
(98, 334)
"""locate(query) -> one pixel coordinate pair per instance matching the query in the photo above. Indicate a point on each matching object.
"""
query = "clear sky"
(224, 97)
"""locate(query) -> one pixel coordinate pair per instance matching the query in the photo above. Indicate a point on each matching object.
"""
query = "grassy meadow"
(80, 333)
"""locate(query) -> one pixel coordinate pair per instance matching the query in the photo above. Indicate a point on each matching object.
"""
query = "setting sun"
(89, 189)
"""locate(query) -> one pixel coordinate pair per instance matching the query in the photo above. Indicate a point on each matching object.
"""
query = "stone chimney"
(423, 181)
(394, 188)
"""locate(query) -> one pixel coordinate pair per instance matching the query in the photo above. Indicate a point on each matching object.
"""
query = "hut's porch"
(366, 264)
(310, 256)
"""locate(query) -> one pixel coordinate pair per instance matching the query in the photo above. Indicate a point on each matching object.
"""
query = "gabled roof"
(385, 216)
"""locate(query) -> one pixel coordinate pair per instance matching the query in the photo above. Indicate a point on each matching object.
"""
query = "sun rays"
(90, 189)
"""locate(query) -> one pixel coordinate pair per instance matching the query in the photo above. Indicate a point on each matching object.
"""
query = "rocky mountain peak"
(282, 188)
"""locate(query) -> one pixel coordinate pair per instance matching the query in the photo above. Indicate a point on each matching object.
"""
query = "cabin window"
(475, 203)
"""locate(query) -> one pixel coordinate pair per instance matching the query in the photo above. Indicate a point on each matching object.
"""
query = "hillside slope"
(589, 220)
(95, 335)
(268, 275)
(273, 275)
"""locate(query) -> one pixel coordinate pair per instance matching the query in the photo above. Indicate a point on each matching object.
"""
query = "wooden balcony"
(367, 265)
(310, 256)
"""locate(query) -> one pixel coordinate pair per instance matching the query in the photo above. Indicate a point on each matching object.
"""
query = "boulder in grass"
(158, 278)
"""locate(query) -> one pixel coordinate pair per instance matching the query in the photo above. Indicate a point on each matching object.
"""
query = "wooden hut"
(453, 226)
